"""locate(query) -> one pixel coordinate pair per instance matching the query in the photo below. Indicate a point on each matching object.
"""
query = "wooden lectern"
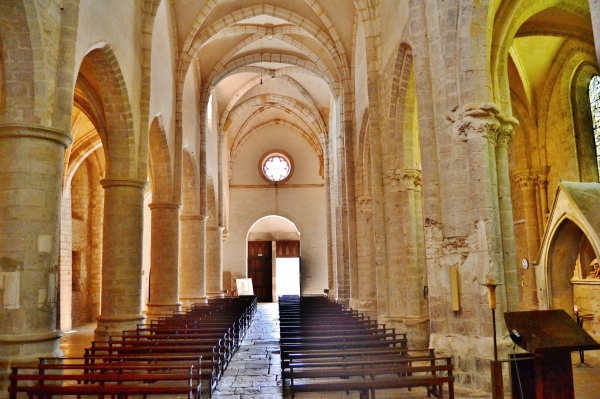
(551, 336)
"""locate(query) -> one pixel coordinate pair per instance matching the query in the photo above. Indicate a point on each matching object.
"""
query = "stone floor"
(254, 372)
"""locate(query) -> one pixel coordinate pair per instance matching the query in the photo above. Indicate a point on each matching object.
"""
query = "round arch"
(273, 257)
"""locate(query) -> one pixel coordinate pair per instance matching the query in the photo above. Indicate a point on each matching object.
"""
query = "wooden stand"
(551, 336)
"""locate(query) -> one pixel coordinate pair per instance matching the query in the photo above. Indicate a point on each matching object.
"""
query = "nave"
(255, 373)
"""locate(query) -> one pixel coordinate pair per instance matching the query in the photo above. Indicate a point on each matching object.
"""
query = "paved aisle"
(254, 372)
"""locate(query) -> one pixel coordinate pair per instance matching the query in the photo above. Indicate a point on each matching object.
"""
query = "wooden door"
(260, 269)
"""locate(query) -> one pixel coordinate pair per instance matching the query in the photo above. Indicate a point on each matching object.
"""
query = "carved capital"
(482, 120)
(475, 120)
(504, 135)
(404, 179)
(527, 181)
(394, 178)
(412, 179)
(365, 203)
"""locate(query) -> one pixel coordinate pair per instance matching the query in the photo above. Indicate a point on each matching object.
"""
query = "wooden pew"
(115, 380)
(329, 347)
(210, 353)
(366, 379)
(149, 360)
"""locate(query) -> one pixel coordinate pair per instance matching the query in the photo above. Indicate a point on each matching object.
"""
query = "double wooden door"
(260, 269)
(260, 264)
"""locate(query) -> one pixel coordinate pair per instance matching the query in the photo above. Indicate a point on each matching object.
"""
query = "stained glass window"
(276, 167)
(595, 105)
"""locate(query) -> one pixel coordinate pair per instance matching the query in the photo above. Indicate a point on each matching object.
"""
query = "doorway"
(273, 258)
(287, 272)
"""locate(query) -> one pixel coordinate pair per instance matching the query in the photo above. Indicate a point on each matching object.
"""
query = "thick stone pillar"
(192, 279)
(527, 182)
(214, 261)
(31, 165)
(121, 306)
(164, 260)
(365, 300)
(407, 307)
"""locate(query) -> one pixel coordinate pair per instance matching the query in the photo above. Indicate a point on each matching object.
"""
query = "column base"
(155, 310)
(114, 325)
(188, 302)
(365, 306)
(25, 350)
(416, 329)
(216, 294)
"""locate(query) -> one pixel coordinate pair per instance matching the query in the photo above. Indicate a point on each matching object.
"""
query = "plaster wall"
(360, 75)
(394, 17)
(162, 94)
(116, 24)
(301, 199)
(191, 113)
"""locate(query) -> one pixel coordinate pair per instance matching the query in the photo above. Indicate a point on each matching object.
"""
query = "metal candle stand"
(580, 320)
(495, 365)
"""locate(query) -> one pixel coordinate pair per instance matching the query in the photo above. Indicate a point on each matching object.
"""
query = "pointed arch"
(190, 184)
(160, 162)
(120, 141)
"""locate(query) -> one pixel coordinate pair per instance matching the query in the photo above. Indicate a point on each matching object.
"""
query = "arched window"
(595, 105)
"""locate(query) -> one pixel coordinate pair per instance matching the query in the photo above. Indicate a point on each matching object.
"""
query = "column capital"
(482, 120)
(164, 205)
(402, 179)
(527, 181)
(504, 134)
(36, 131)
(365, 203)
(193, 217)
(123, 181)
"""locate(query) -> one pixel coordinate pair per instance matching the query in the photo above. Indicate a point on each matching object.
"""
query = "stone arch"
(582, 119)
(190, 184)
(559, 98)
(196, 38)
(402, 109)
(120, 139)
(563, 252)
(160, 162)
(507, 21)
(364, 155)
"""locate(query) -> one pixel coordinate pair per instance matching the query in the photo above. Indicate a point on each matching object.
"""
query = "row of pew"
(328, 347)
(183, 354)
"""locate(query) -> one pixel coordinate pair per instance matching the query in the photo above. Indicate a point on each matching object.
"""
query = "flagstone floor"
(254, 372)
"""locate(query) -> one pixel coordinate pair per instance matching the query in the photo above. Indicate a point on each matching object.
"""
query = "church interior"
(393, 155)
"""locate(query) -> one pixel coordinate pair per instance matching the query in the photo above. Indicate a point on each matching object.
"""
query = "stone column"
(417, 321)
(527, 182)
(407, 308)
(504, 135)
(365, 299)
(121, 306)
(542, 186)
(214, 261)
(31, 166)
(192, 279)
(164, 260)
